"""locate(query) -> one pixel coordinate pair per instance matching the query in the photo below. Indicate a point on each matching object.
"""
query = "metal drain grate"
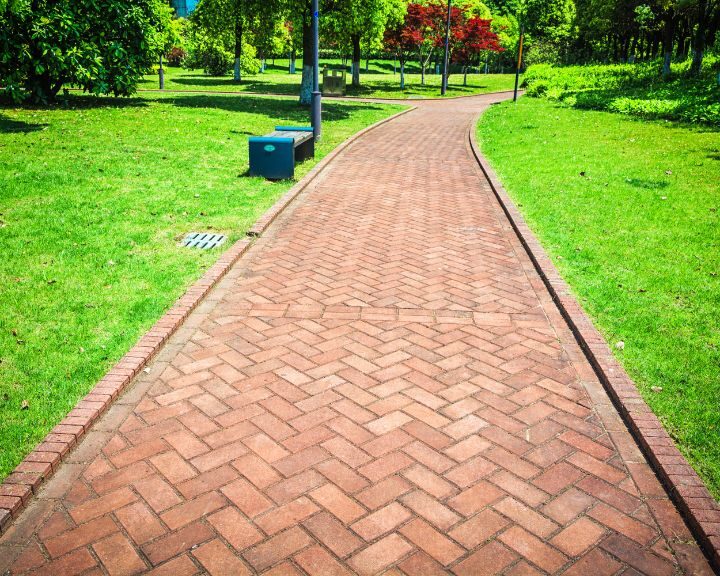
(203, 240)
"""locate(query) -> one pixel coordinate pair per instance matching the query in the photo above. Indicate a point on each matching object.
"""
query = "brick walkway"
(382, 384)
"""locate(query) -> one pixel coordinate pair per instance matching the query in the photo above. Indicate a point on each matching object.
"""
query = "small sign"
(269, 148)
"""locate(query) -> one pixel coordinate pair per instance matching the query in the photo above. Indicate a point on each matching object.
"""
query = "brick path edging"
(685, 487)
(40, 464)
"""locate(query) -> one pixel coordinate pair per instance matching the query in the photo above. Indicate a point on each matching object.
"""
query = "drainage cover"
(203, 240)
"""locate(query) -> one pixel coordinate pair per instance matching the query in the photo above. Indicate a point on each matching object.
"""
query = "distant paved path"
(381, 384)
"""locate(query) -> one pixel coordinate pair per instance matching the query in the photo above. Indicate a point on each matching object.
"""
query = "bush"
(210, 56)
(542, 52)
(633, 89)
(175, 56)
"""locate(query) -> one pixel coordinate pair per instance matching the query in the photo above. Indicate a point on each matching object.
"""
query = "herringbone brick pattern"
(379, 388)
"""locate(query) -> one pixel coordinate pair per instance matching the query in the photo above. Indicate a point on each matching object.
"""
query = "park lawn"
(380, 82)
(629, 212)
(94, 197)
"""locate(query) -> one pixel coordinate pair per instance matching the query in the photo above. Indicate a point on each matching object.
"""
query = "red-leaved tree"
(422, 32)
(402, 40)
(471, 39)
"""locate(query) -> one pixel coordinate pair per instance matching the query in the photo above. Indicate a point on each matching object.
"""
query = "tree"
(438, 13)
(425, 26)
(508, 32)
(422, 21)
(551, 22)
(402, 39)
(300, 15)
(360, 22)
(238, 22)
(101, 46)
(703, 10)
(471, 39)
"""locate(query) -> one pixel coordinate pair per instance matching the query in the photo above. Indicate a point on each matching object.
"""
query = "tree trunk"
(293, 57)
(682, 44)
(402, 74)
(625, 49)
(668, 35)
(699, 41)
(713, 27)
(355, 59)
(655, 46)
(306, 84)
(237, 76)
(465, 75)
(616, 55)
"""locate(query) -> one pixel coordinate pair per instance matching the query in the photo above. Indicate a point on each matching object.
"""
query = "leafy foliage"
(101, 46)
(176, 56)
(422, 32)
(472, 39)
(209, 55)
(237, 27)
(634, 89)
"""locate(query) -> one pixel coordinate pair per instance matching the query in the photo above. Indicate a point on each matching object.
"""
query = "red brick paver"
(382, 384)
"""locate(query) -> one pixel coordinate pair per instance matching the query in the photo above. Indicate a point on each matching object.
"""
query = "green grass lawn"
(379, 82)
(630, 213)
(94, 196)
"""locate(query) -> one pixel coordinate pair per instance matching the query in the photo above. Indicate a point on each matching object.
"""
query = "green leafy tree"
(507, 29)
(101, 46)
(358, 23)
(550, 25)
(300, 21)
(237, 23)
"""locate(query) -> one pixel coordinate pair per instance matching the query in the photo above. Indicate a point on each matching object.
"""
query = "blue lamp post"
(446, 59)
(316, 104)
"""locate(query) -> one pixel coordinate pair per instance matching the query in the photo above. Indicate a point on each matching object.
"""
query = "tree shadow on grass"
(81, 101)
(283, 109)
(647, 184)
(247, 85)
(8, 125)
(286, 110)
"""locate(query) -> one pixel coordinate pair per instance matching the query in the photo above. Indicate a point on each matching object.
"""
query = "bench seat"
(275, 154)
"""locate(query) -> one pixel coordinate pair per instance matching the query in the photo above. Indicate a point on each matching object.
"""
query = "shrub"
(210, 56)
(213, 54)
(175, 56)
(633, 89)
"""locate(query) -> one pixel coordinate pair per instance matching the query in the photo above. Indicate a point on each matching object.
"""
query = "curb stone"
(684, 486)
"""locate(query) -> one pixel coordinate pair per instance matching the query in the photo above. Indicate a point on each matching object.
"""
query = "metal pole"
(519, 61)
(443, 87)
(316, 105)
(162, 74)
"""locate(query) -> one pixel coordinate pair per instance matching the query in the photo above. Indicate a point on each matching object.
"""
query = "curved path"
(381, 384)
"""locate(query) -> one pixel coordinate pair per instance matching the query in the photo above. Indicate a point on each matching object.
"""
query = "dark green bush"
(210, 56)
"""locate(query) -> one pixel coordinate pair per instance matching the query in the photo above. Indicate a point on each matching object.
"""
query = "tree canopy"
(103, 47)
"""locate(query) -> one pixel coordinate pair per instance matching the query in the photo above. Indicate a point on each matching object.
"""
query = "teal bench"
(274, 155)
